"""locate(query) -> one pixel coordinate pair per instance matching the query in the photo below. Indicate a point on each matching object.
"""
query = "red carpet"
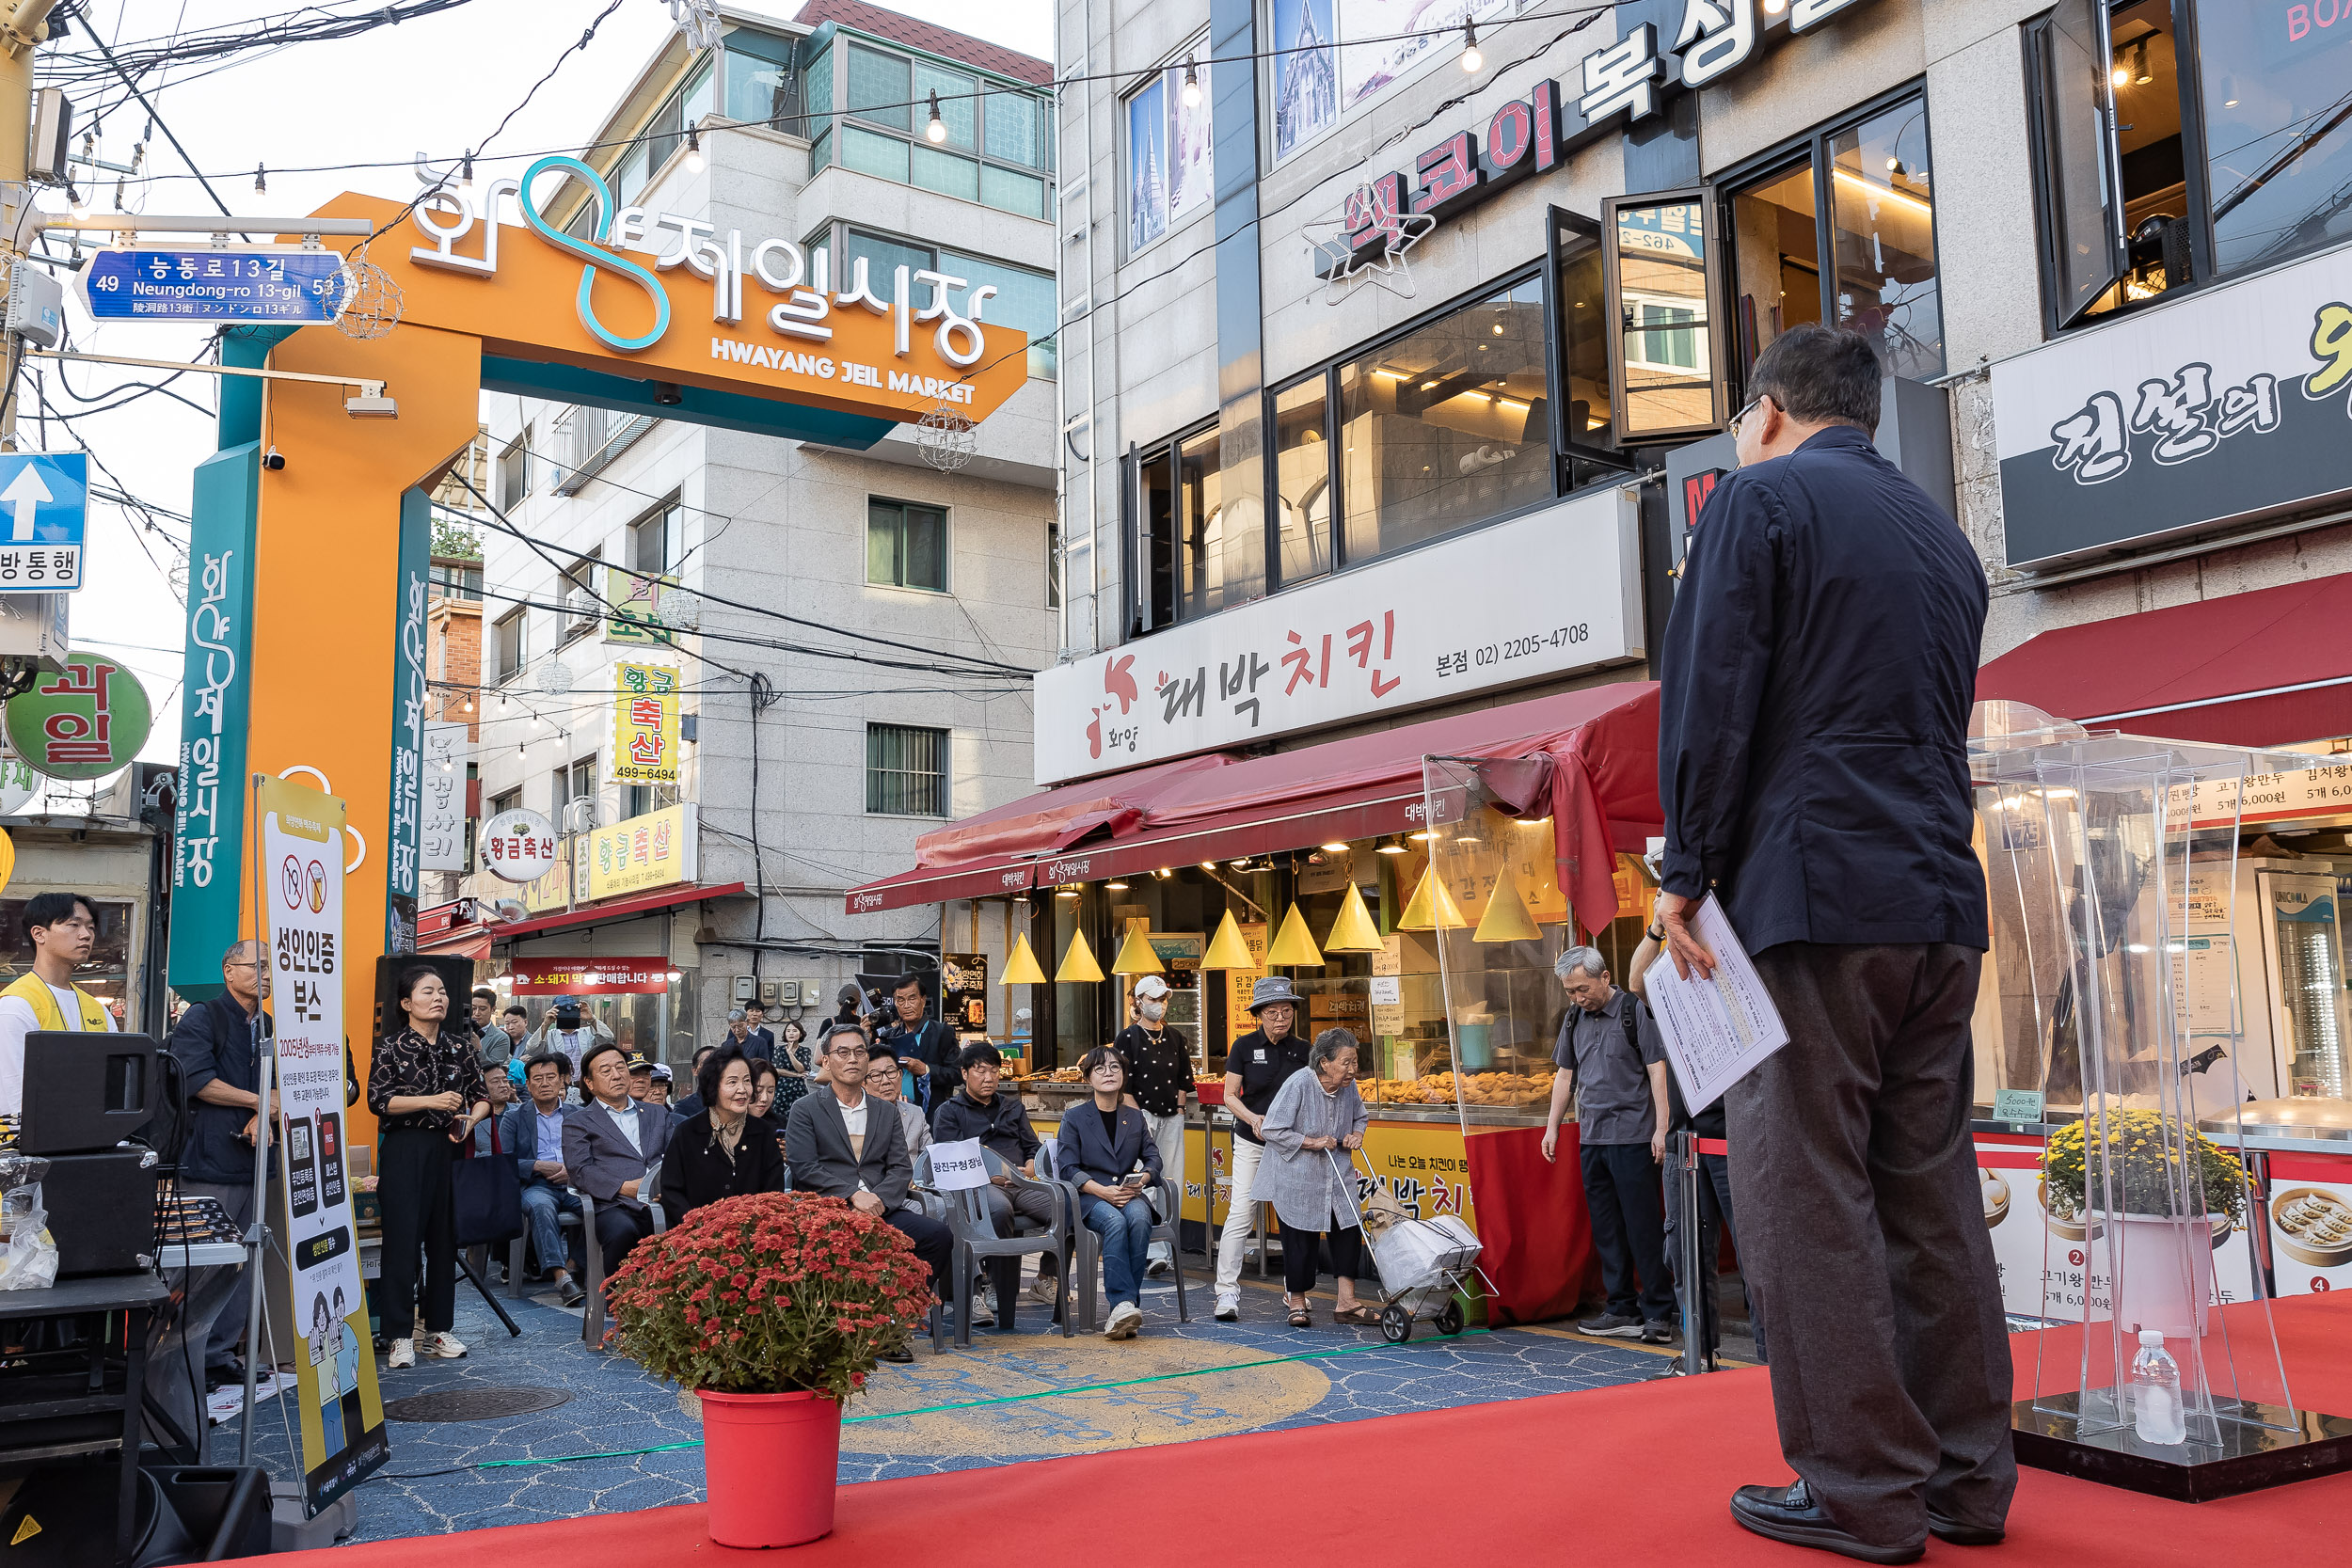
(1635, 1474)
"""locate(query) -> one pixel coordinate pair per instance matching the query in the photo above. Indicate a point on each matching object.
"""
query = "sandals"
(1301, 1318)
(1359, 1313)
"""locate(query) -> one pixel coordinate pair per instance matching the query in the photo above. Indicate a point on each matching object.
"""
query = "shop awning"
(1591, 764)
(2262, 669)
(473, 941)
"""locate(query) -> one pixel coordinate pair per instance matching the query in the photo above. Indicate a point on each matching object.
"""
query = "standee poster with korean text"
(301, 897)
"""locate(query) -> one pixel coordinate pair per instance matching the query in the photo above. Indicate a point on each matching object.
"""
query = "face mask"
(1152, 1012)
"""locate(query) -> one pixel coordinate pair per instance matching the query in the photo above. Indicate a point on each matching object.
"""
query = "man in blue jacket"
(217, 1043)
(1818, 671)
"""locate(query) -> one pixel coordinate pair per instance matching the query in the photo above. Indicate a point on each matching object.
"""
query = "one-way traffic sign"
(44, 509)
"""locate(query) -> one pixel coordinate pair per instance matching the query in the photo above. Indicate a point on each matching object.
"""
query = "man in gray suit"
(848, 1143)
(610, 1145)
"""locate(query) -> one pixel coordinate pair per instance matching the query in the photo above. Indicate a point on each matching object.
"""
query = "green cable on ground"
(970, 1405)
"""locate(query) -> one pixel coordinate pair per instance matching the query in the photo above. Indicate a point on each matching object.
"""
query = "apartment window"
(657, 541)
(2163, 157)
(1313, 84)
(1189, 563)
(906, 545)
(575, 592)
(993, 146)
(507, 637)
(1839, 228)
(762, 88)
(510, 800)
(457, 579)
(576, 782)
(906, 771)
(1024, 299)
(515, 473)
(1170, 176)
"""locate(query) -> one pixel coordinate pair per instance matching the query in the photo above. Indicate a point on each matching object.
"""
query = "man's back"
(1812, 755)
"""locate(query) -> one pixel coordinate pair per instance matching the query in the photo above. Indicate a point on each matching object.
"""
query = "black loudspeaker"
(64, 1516)
(85, 1091)
(456, 972)
(101, 1211)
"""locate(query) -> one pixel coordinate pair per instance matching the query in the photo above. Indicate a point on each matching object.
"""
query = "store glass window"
(1580, 292)
(1776, 259)
(1302, 469)
(1446, 427)
(1169, 150)
(2278, 123)
(1661, 251)
(906, 546)
(906, 771)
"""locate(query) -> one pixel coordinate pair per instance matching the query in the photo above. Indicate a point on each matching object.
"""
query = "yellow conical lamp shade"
(1021, 967)
(1293, 944)
(1135, 956)
(1506, 918)
(1353, 931)
(1430, 906)
(1078, 962)
(1226, 949)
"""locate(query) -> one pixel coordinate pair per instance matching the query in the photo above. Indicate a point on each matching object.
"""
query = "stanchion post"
(1685, 1154)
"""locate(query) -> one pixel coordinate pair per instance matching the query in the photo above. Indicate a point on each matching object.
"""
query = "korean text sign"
(1557, 592)
(83, 722)
(2233, 400)
(645, 723)
(657, 849)
(302, 900)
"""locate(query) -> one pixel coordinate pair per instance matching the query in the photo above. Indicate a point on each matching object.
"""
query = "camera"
(273, 460)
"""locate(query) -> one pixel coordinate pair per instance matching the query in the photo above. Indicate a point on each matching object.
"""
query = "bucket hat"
(1273, 989)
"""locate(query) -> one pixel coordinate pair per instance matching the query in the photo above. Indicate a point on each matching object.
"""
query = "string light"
(260, 180)
(464, 172)
(936, 131)
(693, 152)
(1192, 84)
(79, 202)
(1472, 61)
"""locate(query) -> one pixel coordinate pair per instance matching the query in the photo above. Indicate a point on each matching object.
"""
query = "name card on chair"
(959, 1167)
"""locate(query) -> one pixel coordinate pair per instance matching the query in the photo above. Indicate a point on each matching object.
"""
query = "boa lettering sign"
(912, 334)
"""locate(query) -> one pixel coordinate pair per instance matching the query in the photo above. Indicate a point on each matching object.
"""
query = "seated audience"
(1100, 1147)
(725, 1152)
(534, 1135)
(977, 1110)
(610, 1143)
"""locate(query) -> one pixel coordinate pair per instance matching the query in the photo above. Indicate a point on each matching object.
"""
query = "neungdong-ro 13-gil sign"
(1617, 85)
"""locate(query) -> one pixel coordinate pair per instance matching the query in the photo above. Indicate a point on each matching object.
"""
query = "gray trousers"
(1863, 1242)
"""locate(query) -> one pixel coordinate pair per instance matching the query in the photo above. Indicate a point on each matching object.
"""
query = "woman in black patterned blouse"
(425, 1088)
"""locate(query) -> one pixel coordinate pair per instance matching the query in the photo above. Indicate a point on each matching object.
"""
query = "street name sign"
(289, 287)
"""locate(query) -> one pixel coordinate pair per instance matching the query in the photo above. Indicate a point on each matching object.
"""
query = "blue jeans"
(1126, 1235)
(542, 1201)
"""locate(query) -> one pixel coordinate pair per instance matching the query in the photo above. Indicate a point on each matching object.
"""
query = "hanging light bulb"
(1472, 61)
(469, 705)
(693, 152)
(936, 131)
(1192, 85)
(79, 202)
(464, 172)
(2139, 64)
(260, 180)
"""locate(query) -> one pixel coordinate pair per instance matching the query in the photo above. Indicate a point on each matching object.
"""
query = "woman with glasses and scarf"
(721, 1151)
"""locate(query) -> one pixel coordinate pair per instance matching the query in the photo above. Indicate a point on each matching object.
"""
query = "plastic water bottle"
(2156, 1385)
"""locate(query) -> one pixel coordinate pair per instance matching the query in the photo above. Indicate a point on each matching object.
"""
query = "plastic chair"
(1167, 1227)
(518, 1255)
(592, 1317)
(977, 1239)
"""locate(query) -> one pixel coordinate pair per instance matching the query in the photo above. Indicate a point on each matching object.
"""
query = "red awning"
(1591, 764)
(473, 941)
(2260, 668)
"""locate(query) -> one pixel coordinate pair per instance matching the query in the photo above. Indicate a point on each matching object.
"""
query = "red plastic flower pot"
(770, 1462)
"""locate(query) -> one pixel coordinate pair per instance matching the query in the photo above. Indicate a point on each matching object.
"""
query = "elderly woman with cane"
(1315, 1112)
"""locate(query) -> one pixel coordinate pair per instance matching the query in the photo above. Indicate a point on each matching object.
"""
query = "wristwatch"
(1656, 931)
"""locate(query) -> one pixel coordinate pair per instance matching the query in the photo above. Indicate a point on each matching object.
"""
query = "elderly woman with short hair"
(1313, 1190)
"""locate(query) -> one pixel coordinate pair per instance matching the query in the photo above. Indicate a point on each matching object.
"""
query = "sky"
(435, 85)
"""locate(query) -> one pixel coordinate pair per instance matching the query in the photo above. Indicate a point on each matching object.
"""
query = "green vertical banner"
(208, 836)
(409, 690)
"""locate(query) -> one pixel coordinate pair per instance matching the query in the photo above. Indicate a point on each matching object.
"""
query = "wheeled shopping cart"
(1422, 1264)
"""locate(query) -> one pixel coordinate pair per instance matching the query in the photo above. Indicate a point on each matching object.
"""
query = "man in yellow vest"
(62, 927)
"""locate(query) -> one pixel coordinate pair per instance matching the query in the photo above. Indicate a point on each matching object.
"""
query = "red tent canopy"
(1588, 759)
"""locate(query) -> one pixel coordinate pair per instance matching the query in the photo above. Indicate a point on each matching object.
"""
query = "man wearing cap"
(640, 1078)
(657, 1090)
(1259, 1064)
(1159, 1075)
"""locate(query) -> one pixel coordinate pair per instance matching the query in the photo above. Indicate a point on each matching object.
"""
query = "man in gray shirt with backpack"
(1610, 1057)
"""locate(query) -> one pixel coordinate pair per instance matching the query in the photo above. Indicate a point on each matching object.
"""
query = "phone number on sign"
(1460, 661)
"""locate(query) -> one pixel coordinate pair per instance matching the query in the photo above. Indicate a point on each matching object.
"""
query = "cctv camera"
(273, 460)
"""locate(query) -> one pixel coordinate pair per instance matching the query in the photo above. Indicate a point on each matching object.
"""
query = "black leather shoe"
(1789, 1513)
(901, 1354)
(1960, 1534)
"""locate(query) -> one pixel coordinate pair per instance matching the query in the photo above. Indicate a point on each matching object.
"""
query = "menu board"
(963, 991)
(1242, 982)
(2309, 1210)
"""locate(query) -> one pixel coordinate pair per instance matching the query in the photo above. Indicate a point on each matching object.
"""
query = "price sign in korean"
(288, 286)
(517, 846)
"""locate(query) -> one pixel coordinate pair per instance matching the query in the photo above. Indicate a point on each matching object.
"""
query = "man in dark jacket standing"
(1819, 668)
(215, 1044)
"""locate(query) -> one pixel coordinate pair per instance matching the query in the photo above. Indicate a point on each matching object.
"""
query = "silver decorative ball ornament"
(371, 300)
(556, 679)
(947, 439)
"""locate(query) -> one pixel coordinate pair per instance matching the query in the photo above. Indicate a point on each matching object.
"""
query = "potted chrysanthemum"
(773, 1310)
(2173, 1196)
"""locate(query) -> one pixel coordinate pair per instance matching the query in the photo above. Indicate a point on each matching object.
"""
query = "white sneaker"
(403, 1355)
(1046, 1288)
(1125, 1317)
(446, 1346)
(1157, 1269)
(1228, 1309)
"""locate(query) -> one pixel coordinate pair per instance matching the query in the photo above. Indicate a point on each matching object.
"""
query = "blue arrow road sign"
(44, 508)
(293, 287)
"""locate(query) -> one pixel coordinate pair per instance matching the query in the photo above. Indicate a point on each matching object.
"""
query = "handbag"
(488, 1196)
